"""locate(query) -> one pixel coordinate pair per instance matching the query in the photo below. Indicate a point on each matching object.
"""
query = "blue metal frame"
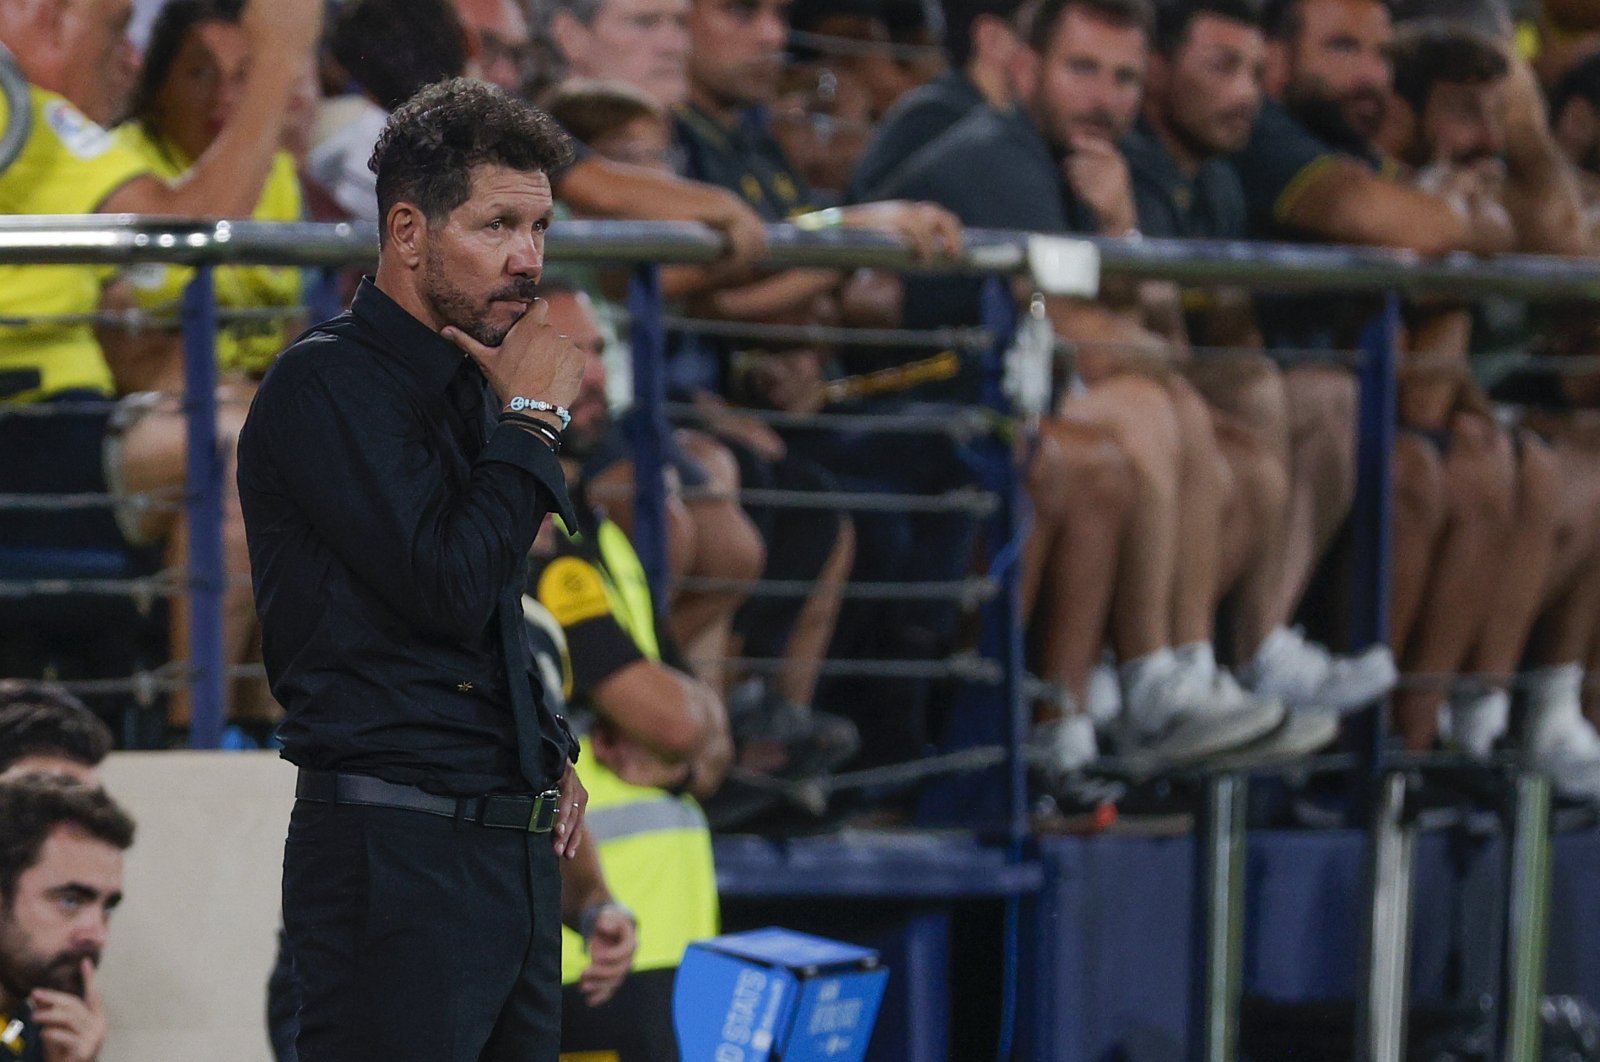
(207, 678)
(1372, 514)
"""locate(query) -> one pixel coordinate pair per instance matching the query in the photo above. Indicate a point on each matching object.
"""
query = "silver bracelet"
(539, 405)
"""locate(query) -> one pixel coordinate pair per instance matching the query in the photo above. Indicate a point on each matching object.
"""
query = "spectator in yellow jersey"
(70, 165)
(194, 69)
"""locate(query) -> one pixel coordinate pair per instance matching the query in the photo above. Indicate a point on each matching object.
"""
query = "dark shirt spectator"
(746, 159)
(386, 654)
(1279, 161)
(1210, 206)
(918, 118)
(957, 171)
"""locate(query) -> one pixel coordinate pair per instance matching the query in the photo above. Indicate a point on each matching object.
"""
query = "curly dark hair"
(40, 719)
(32, 806)
(427, 152)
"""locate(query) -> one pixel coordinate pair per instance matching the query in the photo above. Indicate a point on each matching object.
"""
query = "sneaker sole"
(1198, 740)
(1301, 734)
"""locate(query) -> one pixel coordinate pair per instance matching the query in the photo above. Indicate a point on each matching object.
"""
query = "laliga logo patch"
(80, 136)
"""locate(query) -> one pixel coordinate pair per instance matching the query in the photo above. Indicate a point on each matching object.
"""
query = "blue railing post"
(999, 317)
(207, 575)
(1373, 512)
(647, 425)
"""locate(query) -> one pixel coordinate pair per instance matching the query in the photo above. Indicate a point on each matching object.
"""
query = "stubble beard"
(22, 971)
(456, 308)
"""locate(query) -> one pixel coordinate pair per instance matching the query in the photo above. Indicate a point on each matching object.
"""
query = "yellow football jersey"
(245, 345)
(69, 165)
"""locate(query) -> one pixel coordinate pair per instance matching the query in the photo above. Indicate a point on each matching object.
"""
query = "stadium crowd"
(1187, 486)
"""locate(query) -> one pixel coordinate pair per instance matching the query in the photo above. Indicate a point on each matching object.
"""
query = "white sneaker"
(1474, 722)
(1183, 714)
(1560, 741)
(1105, 696)
(1303, 674)
(1062, 746)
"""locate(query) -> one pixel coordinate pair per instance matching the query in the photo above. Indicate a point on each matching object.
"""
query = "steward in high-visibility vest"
(655, 846)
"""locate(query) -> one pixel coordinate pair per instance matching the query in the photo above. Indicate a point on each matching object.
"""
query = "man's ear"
(406, 233)
(1025, 73)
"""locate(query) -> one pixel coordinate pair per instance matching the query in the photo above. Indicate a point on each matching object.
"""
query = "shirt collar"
(430, 357)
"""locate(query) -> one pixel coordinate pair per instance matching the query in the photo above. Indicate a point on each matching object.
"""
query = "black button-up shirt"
(384, 532)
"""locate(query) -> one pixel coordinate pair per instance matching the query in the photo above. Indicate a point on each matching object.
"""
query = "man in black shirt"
(388, 527)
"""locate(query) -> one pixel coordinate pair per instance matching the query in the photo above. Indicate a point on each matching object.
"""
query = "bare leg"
(1479, 483)
(813, 626)
(1322, 473)
(152, 460)
(1252, 534)
(1524, 568)
(1204, 487)
(1082, 486)
(1251, 418)
(1419, 515)
(1138, 414)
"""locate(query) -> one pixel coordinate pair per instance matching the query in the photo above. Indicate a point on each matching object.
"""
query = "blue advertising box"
(770, 995)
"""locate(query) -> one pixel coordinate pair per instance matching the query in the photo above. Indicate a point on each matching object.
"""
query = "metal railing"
(644, 246)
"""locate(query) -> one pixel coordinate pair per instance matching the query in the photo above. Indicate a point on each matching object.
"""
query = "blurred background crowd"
(1190, 479)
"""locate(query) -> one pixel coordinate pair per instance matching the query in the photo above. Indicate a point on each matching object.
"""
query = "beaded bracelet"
(543, 429)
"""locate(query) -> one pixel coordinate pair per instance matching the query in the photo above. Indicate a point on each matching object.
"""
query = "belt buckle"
(543, 816)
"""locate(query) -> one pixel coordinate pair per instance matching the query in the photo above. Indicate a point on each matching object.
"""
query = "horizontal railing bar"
(963, 500)
(121, 238)
(962, 423)
(964, 339)
(971, 591)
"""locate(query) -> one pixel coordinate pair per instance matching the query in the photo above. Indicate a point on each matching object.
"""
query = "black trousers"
(416, 937)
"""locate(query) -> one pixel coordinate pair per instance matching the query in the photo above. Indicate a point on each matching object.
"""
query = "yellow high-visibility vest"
(655, 849)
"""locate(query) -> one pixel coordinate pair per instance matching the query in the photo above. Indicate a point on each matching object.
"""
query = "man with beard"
(61, 846)
(1052, 165)
(1201, 99)
(394, 470)
(1459, 103)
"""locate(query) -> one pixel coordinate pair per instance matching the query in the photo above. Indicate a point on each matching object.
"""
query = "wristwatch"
(539, 405)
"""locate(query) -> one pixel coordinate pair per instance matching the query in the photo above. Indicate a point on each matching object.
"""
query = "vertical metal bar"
(999, 317)
(647, 425)
(1527, 920)
(1381, 1022)
(1218, 974)
(1370, 518)
(207, 680)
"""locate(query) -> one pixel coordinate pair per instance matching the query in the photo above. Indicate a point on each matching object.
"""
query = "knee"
(1204, 466)
(1538, 481)
(1262, 485)
(715, 460)
(1479, 473)
(731, 545)
(1078, 473)
(1322, 403)
(1419, 496)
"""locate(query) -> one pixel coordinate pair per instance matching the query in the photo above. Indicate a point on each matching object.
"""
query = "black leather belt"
(533, 812)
